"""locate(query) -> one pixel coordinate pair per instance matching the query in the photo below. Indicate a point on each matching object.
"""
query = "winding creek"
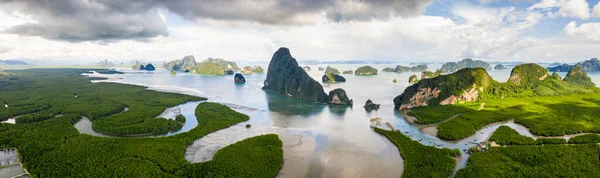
(319, 140)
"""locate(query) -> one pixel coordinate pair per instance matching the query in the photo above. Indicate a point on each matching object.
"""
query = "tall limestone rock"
(464, 85)
(284, 76)
(577, 75)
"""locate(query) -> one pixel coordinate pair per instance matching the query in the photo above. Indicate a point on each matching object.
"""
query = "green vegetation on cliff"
(421, 160)
(578, 76)
(400, 68)
(543, 103)
(365, 70)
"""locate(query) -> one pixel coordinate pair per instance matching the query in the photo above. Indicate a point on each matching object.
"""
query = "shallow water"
(9, 165)
(319, 140)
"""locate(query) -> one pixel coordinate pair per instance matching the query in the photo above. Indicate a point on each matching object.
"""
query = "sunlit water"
(319, 140)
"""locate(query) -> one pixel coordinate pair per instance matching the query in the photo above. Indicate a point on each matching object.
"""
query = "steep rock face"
(464, 85)
(339, 97)
(185, 63)
(465, 63)
(239, 78)
(528, 74)
(284, 76)
(332, 78)
(577, 75)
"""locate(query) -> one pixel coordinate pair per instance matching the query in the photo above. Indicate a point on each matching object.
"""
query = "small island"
(465, 63)
(210, 66)
(365, 70)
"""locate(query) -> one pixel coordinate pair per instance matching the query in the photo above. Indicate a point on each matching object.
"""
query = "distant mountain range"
(315, 62)
(12, 63)
(588, 66)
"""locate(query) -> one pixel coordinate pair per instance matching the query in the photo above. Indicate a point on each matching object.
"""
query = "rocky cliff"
(183, 64)
(339, 97)
(528, 75)
(464, 85)
(332, 78)
(284, 76)
(577, 75)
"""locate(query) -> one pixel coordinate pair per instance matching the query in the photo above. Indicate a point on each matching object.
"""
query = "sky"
(84, 31)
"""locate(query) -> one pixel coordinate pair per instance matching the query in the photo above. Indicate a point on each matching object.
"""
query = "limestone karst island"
(300, 88)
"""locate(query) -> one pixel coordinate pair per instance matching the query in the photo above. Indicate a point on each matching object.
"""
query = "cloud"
(596, 11)
(575, 9)
(566, 8)
(106, 20)
(586, 31)
(78, 20)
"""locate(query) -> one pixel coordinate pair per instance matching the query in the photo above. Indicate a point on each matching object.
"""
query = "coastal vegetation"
(429, 74)
(534, 161)
(52, 147)
(421, 160)
(522, 156)
(42, 94)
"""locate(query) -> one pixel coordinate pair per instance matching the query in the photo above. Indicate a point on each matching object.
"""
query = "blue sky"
(251, 30)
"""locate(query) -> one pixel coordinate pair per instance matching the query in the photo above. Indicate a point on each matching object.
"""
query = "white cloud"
(547, 4)
(596, 10)
(586, 31)
(575, 9)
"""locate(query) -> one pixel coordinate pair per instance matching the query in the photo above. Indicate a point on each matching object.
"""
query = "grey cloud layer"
(92, 20)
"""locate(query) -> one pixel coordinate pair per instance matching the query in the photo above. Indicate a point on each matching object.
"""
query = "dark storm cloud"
(92, 20)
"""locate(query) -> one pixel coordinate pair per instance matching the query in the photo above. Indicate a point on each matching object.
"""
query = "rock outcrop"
(339, 97)
(528, 74)
(332, 78)
(306, 68)
(577, 75)
(370, 106)
(365, 70)
(140, 66)
(499, 67)
(239, 78)
(247, 70)
(183, 64)
(321, 69)
(413, 79)
(464, 85)
(465, 63)
(285, 77)
(258, 69)
(348, 72)
(331, 70)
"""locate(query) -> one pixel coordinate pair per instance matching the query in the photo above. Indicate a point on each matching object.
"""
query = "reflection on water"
(9, 164)
(318, 142)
